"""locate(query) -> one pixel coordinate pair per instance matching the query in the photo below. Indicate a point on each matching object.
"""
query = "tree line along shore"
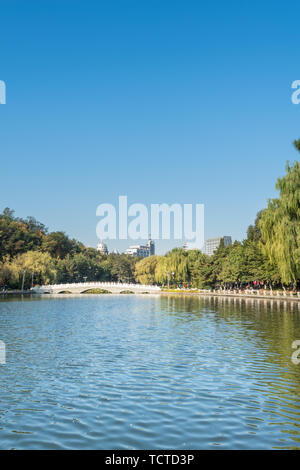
(269, 257)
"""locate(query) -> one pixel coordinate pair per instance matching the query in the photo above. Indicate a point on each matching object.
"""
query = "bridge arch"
(95, 291)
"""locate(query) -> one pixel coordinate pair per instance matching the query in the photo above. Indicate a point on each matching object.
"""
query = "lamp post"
(168, 277)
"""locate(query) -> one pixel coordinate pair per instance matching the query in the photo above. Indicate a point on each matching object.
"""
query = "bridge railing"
(87, 285)
(252, 293)
(144, 287)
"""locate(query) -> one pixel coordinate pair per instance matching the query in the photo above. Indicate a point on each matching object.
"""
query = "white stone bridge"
(81, 288)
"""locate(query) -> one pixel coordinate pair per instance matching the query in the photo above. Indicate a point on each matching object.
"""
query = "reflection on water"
(146, 372)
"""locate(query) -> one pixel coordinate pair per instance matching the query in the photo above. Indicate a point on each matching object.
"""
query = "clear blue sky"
(163, 101)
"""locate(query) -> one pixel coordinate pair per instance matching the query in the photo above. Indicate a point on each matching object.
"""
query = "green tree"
(59, 245)
(280, 225)
(35, 265)
(253, 232)
(122, 267)
(145, 270)
(233, 267)
(177, 263)
(198, 263)
(66, 270)
(19, 235)
(8, 275)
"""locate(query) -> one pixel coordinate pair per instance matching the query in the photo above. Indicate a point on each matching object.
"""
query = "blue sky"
(162, 101)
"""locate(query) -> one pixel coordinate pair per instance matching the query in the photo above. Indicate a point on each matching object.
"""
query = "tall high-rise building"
(211, 244)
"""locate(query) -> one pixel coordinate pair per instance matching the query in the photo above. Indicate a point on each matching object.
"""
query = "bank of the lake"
(266, 295)
(244, 295)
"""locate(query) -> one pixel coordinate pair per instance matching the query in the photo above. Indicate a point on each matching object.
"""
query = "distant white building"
(102, 248)
(142, 251)
(211, 244)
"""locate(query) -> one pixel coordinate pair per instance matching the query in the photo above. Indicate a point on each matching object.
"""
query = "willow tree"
(173, 267)
(145, 270)
(280, 225)
(8, 275)
(37, 264)
(177, 263)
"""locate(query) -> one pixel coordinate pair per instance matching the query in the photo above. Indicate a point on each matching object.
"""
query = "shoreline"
(16, 292)
(182, 293)
(236, 296)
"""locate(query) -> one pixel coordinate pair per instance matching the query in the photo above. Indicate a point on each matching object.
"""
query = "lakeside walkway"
(238, 293)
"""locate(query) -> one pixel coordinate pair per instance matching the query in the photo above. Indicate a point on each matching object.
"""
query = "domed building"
(102, 248)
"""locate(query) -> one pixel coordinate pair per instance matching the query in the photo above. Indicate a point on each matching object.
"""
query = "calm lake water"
(149, 372)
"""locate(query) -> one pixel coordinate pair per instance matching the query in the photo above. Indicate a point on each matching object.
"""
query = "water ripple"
(148, 373)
